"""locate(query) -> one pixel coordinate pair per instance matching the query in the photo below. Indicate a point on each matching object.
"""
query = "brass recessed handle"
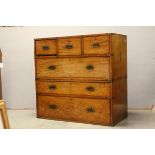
(52, 67)
(45, 47)
(52, 106)
(90, 67)
(52, 87)
(69, 46)
(90, 110)
(90, 88)
(96, 45)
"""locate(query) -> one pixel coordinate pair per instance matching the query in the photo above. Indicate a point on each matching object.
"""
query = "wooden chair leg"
(4, 115)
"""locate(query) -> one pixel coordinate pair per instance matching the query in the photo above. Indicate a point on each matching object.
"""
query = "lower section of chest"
(95, 111)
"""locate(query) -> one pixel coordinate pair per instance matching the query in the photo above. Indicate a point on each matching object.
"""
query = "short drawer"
(96, 111)
(46, 47)
(52, 87)
(96, 45)
(54, 107)
(94, 67)
(75, 88)
(91, 89)
(69, 46)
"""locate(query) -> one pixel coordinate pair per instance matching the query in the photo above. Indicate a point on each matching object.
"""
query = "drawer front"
(46, 47)
(91, 89)
(96, 67)
(69, 46)
(96, 45)
(75, 88)
(54, 107)
(53, 87)
(95, 111)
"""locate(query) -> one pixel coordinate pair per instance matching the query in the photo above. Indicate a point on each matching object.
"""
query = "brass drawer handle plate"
(46, 48)
(90, 88)
(90, 67)
(52, 67)
(90, 110)
(52, 106)
(96, 45)
(69, 46)
(52, 87)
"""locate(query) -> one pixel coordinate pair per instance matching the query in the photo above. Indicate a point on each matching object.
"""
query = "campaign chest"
(82, 78)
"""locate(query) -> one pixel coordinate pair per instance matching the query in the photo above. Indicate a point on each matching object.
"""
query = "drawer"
(95, 111)
(69, 46)
(75, 88)
(54, 107)
(46, 47)
(96, 44)
(94, 67)
(53, 87)
(91, 89)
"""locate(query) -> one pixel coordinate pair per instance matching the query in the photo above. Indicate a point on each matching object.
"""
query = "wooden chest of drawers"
(82, 78)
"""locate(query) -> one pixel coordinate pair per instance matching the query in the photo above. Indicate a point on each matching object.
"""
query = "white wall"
(17, 45)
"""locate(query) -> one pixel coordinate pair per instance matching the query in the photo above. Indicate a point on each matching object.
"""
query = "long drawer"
(85, 110)
(93, 67)
(74, 88)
